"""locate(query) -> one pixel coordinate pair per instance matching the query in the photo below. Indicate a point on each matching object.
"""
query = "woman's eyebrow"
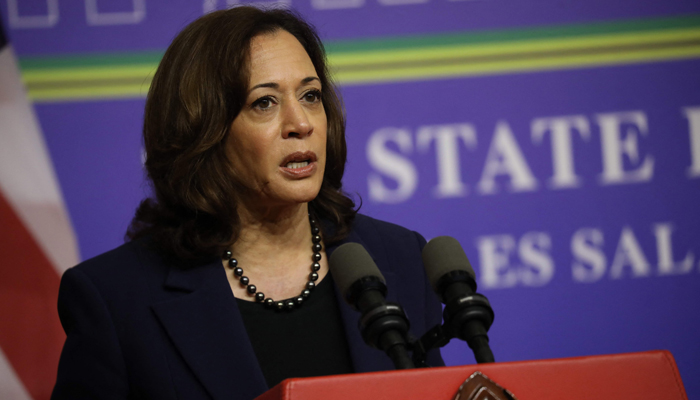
(274, 85)
(310, 79)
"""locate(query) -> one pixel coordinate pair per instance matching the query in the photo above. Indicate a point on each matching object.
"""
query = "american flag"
(37, 244)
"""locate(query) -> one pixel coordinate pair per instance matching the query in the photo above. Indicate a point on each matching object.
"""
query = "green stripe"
(511, 35)
(89, 60)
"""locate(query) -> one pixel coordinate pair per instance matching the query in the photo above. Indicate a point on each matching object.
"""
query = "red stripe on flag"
(31, 336)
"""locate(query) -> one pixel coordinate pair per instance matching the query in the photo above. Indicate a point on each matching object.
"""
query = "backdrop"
(557, 140)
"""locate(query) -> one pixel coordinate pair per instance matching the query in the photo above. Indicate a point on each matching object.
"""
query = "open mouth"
(298, 160)
(297, 164)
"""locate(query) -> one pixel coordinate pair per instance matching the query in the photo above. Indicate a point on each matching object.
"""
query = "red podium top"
(646, 375)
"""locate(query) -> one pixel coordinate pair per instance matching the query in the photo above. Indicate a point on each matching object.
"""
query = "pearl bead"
(280, 305)
(316, 247)
(315, 230)
(269, 302)
(316, 239)
(305, 293)
(238, 271)
(228, 254)
(310, 285)
(313, 276)
(299, 300)
(232, 263)
(316, 257)
(251, 289)
(290, 304)
(260, 296)
(244, 280)
(315, 266)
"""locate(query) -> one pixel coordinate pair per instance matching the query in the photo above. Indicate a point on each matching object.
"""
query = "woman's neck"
(274, 248)
(280, 227)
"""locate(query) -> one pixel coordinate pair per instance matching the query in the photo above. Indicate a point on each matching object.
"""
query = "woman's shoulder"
(366, 224)
(385, 237)
(124, 263)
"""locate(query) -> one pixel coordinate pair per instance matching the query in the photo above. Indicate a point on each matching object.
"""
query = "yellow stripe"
(90, 92)
(90, 73)
(503, 67)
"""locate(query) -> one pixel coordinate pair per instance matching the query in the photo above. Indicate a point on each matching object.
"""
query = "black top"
(306, 341)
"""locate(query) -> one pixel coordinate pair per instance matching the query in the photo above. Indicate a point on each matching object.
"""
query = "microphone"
(383, 325)
(468, 315)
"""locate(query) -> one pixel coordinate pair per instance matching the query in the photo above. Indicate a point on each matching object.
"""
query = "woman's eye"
(262, 103)
(312, 96)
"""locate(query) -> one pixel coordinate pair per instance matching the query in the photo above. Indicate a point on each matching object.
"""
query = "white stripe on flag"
(11, 387)
(27, 178)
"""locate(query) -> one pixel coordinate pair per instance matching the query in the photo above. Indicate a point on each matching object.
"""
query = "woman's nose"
(296, 121)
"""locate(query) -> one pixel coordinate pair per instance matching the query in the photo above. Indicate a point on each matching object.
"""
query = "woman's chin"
(295, 195)
(301, 198)
(302, 191)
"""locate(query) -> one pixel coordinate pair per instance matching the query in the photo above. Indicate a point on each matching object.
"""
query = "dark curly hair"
(196, 93)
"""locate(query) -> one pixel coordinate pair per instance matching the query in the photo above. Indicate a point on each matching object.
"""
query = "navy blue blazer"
(139, 328)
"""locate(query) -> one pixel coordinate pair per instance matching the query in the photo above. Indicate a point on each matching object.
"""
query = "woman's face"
(277, 143)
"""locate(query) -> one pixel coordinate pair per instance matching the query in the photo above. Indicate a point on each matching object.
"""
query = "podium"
(631, 376)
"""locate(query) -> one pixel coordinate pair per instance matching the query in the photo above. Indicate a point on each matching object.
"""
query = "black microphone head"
(443, 255)
(351, 262)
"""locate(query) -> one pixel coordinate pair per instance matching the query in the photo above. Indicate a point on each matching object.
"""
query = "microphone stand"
(468, 316)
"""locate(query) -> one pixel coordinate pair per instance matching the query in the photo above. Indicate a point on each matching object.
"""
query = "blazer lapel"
(204, 323)
(364, 357)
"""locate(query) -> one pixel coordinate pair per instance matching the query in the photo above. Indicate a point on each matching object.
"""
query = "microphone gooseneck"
(383, 325)
(468, 315)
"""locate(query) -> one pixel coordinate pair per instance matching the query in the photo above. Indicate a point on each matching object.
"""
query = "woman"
(223, 289)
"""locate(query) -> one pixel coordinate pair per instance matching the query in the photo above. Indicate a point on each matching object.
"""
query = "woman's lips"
(299, 164)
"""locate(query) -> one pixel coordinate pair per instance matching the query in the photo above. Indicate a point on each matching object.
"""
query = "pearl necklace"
(290, 303)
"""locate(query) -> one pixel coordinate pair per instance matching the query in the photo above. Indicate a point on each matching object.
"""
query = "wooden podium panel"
(632, 376)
